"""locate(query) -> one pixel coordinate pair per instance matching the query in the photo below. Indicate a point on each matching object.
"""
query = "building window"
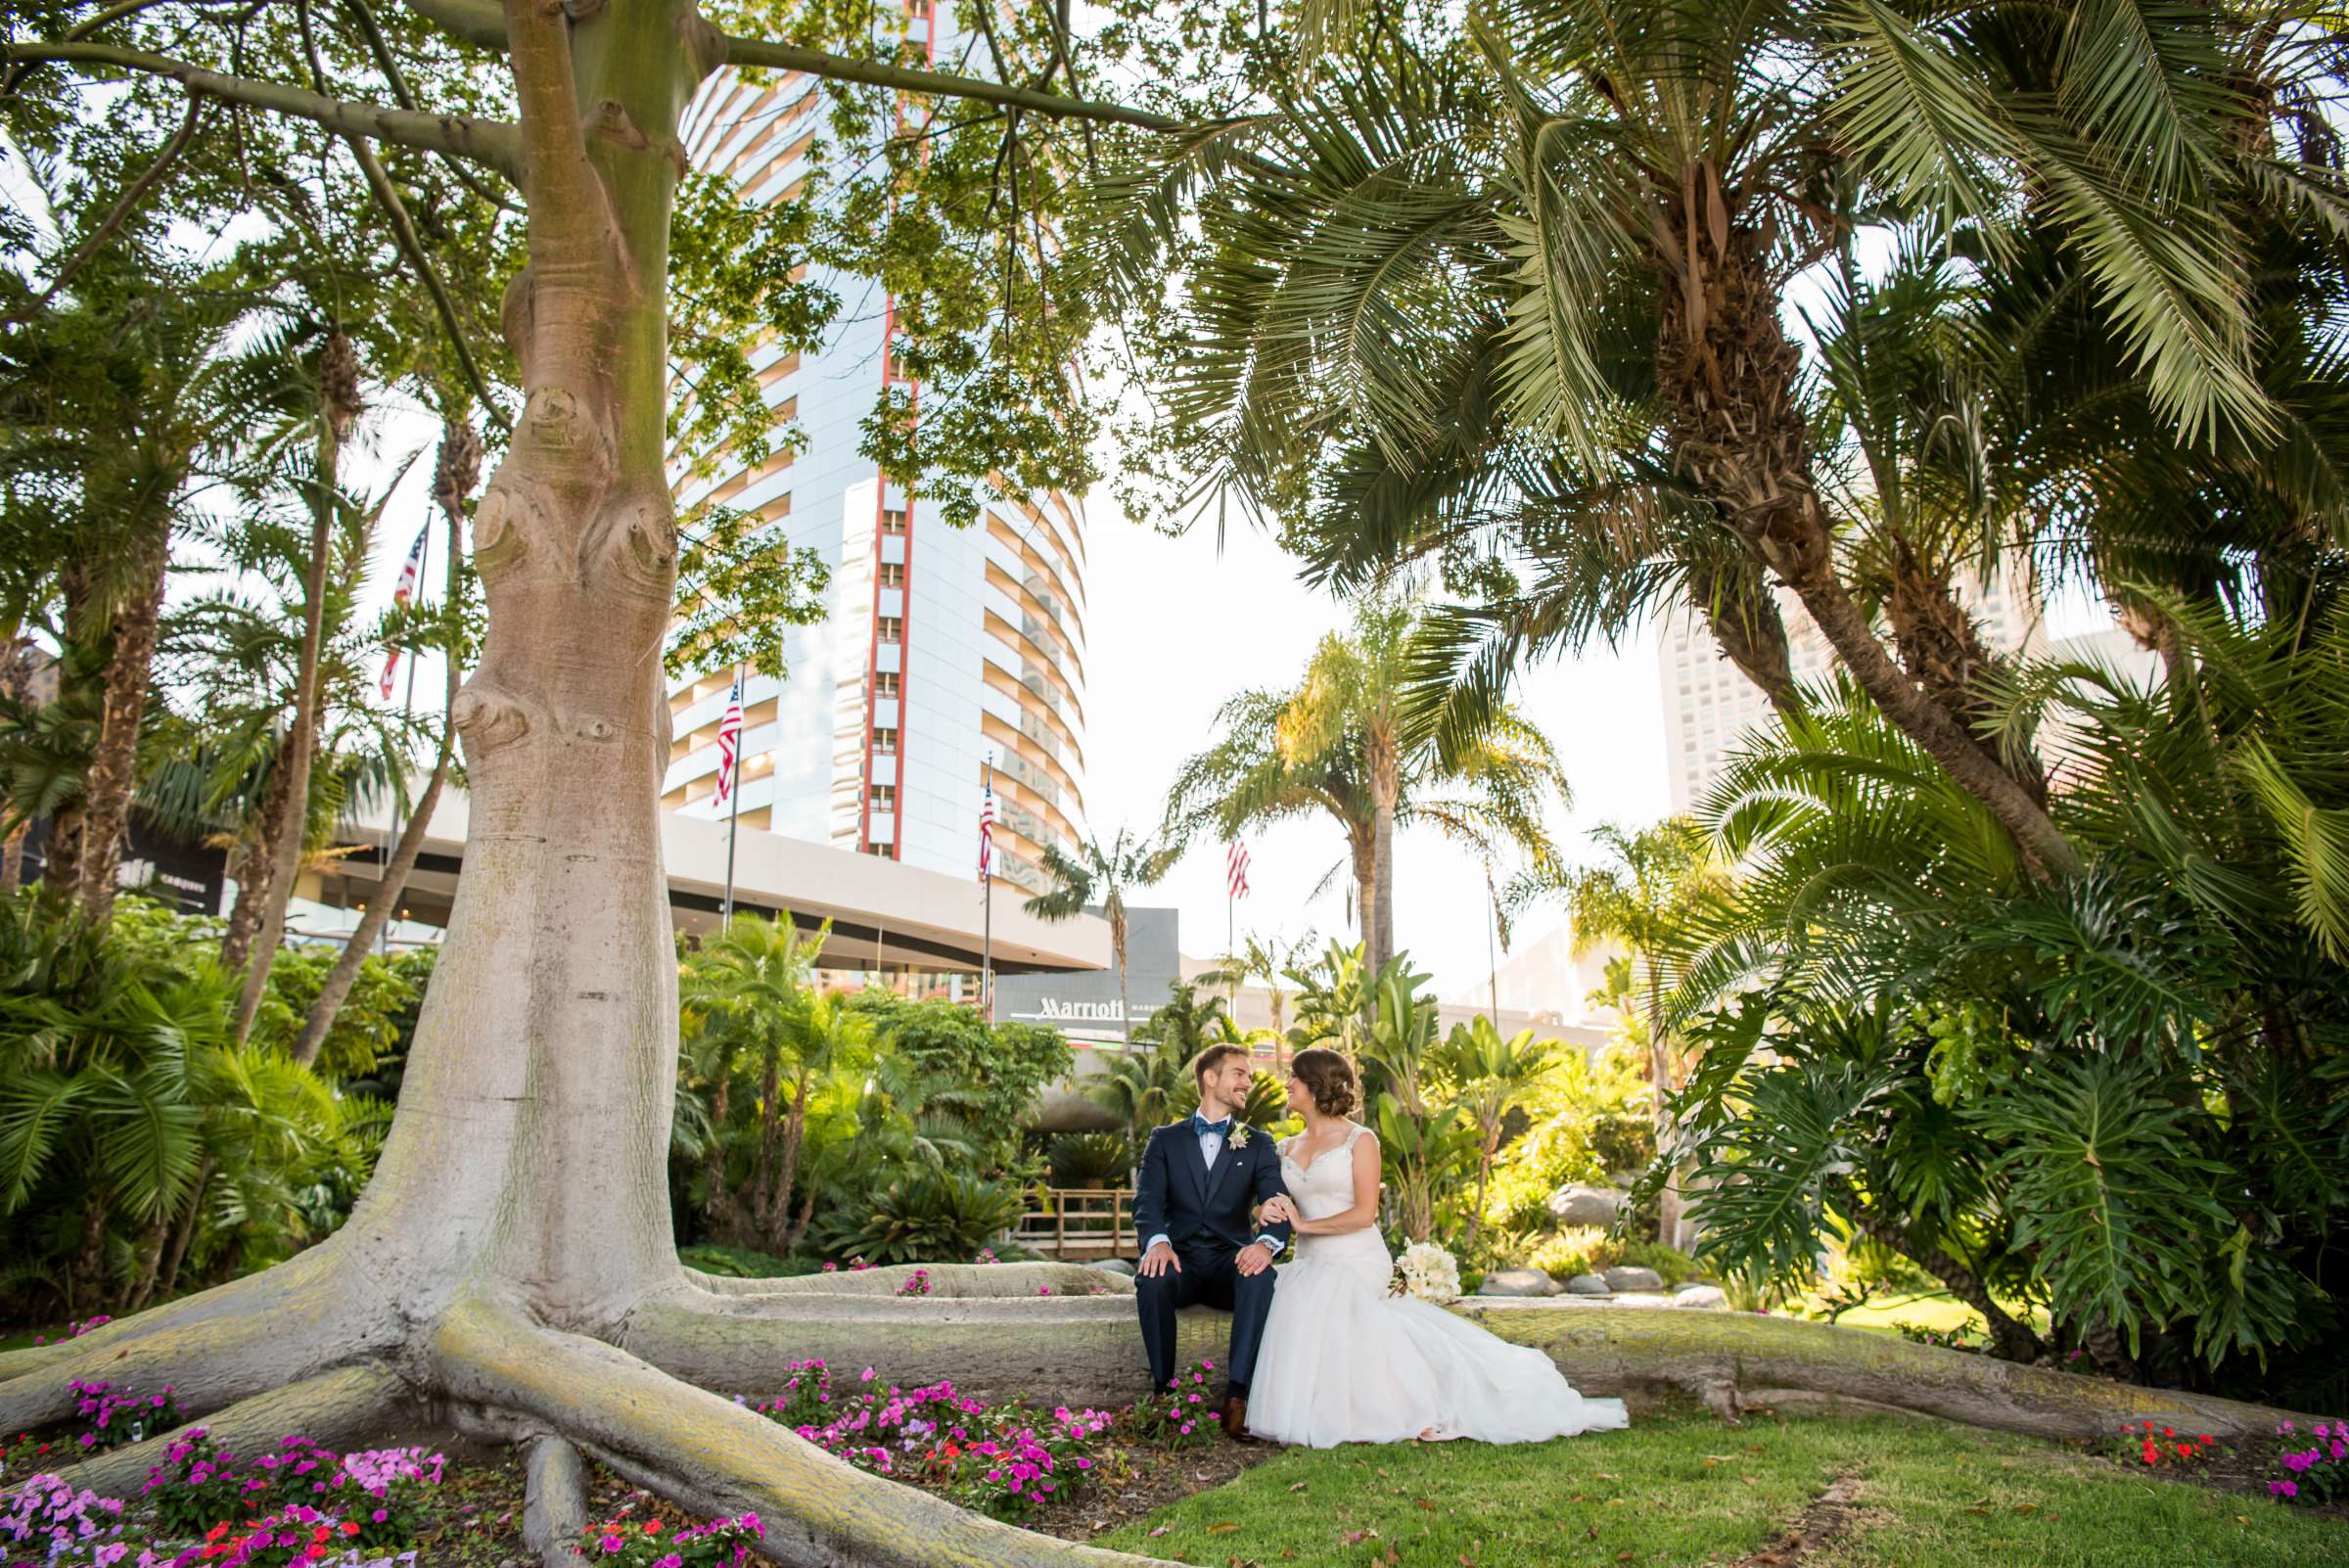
(884, 797)
(893, 573)
(885, 683)
(887, 851)
(892, 628)
(892, 519)
(885, 742)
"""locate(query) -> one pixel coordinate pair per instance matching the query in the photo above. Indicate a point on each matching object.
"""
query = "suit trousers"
(1210, 1277)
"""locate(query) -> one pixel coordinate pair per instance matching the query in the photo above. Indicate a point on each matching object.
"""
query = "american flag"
(730, 742)
(987, 832)
(402, 592)
(1235, 868)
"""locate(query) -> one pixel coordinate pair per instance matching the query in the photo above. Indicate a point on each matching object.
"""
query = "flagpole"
(733, 814)
(407, 711)
(987, 898)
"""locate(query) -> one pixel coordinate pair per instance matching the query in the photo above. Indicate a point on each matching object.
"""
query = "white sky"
(1177, 626)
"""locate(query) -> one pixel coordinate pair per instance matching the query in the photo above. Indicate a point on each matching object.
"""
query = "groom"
(1200, 1178)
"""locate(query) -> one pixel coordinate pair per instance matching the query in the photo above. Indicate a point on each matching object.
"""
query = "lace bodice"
(1326, 1186)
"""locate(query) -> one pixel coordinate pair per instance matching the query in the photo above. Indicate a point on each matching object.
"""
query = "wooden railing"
(1079, 1223)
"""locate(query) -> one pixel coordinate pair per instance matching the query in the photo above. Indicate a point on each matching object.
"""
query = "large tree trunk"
(1737, 433)
(114, 765)
(2009, 1338)
(338, 410)
(456, 474)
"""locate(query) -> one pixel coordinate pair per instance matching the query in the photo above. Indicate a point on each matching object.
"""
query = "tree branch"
(565, 196)
(486, 141)
(123, 206)
(403, 231)
(937, 84)
(386, 62)
(475, 23)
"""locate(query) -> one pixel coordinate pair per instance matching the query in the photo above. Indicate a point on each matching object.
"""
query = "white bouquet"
(1429, 1273)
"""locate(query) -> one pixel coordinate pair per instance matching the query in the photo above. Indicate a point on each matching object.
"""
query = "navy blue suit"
(1204, 1215)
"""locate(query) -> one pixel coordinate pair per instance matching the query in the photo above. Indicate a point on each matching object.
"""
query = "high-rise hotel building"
(942, 647)
(1710, 705)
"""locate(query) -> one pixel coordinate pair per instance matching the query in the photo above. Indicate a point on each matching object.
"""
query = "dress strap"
(1356, 1136)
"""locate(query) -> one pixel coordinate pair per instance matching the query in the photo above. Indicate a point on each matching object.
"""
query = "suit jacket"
(1178, 1196)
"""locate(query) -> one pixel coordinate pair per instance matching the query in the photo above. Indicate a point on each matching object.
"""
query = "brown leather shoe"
(1235, 1419)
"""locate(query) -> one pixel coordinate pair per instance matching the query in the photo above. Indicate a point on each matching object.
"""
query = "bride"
(1345, 1363)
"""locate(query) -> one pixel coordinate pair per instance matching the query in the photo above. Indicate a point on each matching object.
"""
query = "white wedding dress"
(1343, 1361)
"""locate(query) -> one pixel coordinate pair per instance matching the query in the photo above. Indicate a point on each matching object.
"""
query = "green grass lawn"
(1681, 1488)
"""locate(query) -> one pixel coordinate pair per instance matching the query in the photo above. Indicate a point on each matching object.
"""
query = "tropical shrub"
(1091, 1159)
(2122, 1094)
(142, 1150)
(743, 1262)
(922, 1216)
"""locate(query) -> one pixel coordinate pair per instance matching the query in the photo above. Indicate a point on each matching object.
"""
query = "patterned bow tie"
(1201, 1124)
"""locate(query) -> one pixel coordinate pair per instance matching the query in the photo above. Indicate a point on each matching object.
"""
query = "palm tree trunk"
(1386, 793)
(1743, 616)
(1737, 432)
(338, 408)
(346, 972)
(1117, 942)
(249, 867)
(771, 1130)
(150, 1245)
(777, 1232)
(114, 765)
(1669, 1203)
(16, 682)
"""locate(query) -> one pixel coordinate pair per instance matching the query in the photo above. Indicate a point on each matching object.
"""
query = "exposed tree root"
(1830, 1514)
(229, 1344)
(344, 1409)
(947, 1280)
(1083, 1350)
(712, 1456)
(1722, 1357)
(553, 1508)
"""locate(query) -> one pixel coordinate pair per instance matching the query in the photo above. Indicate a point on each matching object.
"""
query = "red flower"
(2166, 1432)
(2153, 1454)
(2185, 1450)
(652, 1527)
(350, 1527)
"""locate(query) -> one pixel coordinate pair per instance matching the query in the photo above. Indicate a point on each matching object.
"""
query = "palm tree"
(1587, 216)
(1647, 896)
(1338, 745)
(1270, 958)
(1488, 1077)
(749, 998)
(1101, 874)
(1150, 1083)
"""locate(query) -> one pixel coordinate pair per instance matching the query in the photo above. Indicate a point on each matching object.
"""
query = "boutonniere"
(1239, 1137)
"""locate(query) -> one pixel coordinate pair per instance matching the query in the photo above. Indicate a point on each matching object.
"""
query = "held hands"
(1280, 1209)
(1254, 1259)
(1158, 1260)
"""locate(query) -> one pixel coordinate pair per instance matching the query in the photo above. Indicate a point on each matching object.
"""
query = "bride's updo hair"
(1330, 1077)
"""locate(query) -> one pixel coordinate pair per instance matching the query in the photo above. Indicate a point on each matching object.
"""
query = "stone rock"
(1587, 1285)
(1114, 1265)
(1706, 1298)
(1578, 1205)
(1625, 1278)
(1516, 1282)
